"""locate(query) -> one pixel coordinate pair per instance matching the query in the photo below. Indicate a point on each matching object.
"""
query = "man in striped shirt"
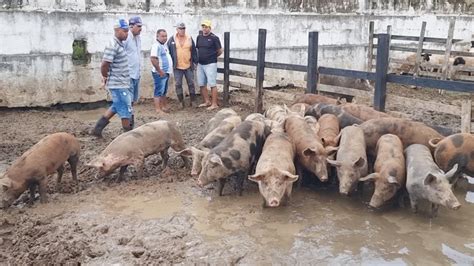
(116, 76)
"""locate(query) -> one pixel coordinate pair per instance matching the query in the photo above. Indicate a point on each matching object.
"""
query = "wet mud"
(165, 218)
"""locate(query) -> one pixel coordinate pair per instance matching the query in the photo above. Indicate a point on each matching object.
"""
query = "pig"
(409, 132)
(36, 164)
(312, 99)
(277, 113)
(351, 159)
(363, 112)
(345, 119)
(273, 125)
(236, 154)
(210, 141)
(299, 108)
(132, 147)
(329, 130)
(218, 117)
(310, 153)
(390, 170)
(455, 149)
(347, 82)
(313, 124)
(275, 172)
(426, 181)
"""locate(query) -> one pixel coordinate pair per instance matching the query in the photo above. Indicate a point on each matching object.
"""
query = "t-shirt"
(119, 74)
(133, 46)
(207, 48)
(162, 52)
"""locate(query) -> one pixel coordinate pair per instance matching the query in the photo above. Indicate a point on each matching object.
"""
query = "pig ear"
(309, 152)
(451, 173)
(256, 177)
(333, 162)
(370, 177)
(6, 183)
(215, 159)
(429, 179)
(359, 163)
(330, 150)
(336, 139)
(290, 177)
(393, 180)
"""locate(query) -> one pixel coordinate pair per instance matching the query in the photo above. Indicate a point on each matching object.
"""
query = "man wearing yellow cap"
(209, 48)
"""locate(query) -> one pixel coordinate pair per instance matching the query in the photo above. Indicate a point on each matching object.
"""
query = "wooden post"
(466, 116)
(370, 52)
(419, 50)
(262, 37)
(449, 44)
(312, 72)
(389, 32)
(226, 67)
(381, 68)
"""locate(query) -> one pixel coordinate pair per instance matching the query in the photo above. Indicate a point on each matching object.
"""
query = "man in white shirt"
(162, 68)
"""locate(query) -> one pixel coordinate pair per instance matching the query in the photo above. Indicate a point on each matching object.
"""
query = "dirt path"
(167, 219)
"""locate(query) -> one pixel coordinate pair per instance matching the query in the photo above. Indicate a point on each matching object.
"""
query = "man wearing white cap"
(209, 48)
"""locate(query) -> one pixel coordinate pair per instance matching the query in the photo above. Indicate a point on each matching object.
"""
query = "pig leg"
(139, 164)
(60, 171)
(241, 181)
(43, 190)
(123, 169)
(186, 162)
(32, 188)
(434, 210)
(299, 171)
(165, 157)
(73, 160)
(413, 203)
(220, 186)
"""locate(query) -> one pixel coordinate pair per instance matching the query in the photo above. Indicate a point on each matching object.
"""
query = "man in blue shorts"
(162, 68)
(209, 48)
(116, 76)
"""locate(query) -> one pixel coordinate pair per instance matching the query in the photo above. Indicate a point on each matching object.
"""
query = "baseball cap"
(206, 23)
(181, 25)
(135, 21)
(121, 24)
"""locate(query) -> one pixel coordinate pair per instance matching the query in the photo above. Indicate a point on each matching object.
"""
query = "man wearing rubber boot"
(116, 76)
(184, 54)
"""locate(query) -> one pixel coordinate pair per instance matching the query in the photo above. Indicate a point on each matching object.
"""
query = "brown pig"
(329, 130)
(210, 141)
(312, 99)
(363, 112)
(351, 159)
(236, 154)
(275, 172)
(218, 117)
(310, 152)
(132, 147)
(426, 181)
(409, 132)
(390, 170)
(33, 167)
(455, 149)
(299, 108)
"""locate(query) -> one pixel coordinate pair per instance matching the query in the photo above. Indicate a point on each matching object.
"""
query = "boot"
(99, 126)
(192, 98)
(126, 124)
(181, 100)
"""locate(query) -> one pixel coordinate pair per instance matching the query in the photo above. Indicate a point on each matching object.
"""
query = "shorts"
(161, 84)
(207, 74)
(121, 102)
(134, 89)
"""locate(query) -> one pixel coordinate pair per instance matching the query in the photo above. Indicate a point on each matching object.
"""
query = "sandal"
(204, 105)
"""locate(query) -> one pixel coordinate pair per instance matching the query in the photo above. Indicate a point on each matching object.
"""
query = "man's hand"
(162, 73)
(104, 82)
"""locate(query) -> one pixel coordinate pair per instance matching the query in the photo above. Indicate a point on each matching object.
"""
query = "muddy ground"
(165, 218)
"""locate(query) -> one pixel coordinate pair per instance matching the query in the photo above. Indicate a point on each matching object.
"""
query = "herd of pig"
(317, 135)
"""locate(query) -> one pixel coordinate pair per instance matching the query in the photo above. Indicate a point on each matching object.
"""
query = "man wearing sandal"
(209, 48)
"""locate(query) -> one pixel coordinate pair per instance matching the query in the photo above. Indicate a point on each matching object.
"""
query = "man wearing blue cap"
(116, 76)
(133, 46)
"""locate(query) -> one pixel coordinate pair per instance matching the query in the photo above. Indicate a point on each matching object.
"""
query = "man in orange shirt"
(184, 54)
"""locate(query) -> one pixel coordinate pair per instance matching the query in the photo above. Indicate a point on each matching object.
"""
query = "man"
(133, 46)
(209, 48)
(184, 55)
(162, 68)
(116, 75)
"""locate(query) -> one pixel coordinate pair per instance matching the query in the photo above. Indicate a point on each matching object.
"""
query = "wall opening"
(80, 55)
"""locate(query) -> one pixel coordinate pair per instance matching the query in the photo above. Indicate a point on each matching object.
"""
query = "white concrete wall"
(35, 53)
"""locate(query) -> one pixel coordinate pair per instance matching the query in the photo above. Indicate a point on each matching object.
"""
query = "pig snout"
(274, 202)
(199, 183)
(194, 173)
(323, 178)
(455, 205)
